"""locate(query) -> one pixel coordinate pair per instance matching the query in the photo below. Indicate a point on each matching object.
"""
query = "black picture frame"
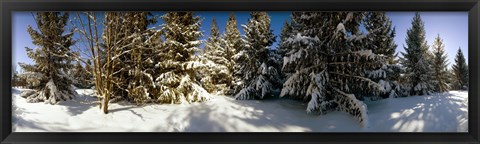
(8, 6)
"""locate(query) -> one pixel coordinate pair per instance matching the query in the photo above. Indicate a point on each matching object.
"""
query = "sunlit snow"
(445, 112)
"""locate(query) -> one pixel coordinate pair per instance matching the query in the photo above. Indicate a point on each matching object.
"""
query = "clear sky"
(452, 27)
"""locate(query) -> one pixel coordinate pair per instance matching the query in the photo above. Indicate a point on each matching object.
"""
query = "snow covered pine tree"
(380, 40)
(327, 61)
(416, 59)
(177, 81)
(440, 73)
(258, 76)
(217, 75)
(80, 76)
(460, 72)
(52, 59)
(282, 49)
(232, 44)
(135, 60)
(287, 31)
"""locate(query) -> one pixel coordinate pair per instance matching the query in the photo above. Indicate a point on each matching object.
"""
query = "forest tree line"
(323, 58)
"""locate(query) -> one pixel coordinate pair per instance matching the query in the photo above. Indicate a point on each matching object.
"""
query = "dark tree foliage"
(380, 40)
(416, 59)
(460, 72)
(328, 61)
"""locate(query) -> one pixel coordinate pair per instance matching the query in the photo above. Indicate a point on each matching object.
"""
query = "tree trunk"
(105, 103)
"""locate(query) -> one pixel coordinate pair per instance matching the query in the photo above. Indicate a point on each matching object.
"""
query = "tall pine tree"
(177, 81)
(258, 76)
(416, 59)
(52, 58)
(282, 48)
(380, 40)
(460, 72)
(287, 31)
(440, 73)
(139, 78)
(217, 76)
(232, 44)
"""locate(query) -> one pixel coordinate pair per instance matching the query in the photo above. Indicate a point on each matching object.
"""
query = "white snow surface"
(446, 112)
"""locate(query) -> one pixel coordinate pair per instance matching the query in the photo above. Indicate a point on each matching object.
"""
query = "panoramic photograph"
(186, 71)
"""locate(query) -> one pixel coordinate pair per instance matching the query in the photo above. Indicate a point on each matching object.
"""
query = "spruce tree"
(416, 59)
(80, 76)
(380, 40)
(460, 72)
(328, 60)
(258, 76)
(287, 31)
(178, 67)
(232, 44)
(48, 75)
(139, 80)
(282, 48)
(217, 76)
(440, 73)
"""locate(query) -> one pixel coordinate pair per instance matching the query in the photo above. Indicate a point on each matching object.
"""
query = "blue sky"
(452, 27)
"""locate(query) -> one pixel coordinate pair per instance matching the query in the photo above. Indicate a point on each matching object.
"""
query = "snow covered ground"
(445, 112)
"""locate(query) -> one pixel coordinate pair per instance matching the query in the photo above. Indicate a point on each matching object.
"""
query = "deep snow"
(445, 112)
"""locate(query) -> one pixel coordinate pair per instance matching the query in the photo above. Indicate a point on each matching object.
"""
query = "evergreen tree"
(52, 59)
(460, 72)
(258, 76)
(440, 73)
(177, 81)
(380, 40)
(217, 76)
(287, 31)
(80, 76)
(328, 60)
(416, 59)
(282, 49)
(139, 73)
(232, 44)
